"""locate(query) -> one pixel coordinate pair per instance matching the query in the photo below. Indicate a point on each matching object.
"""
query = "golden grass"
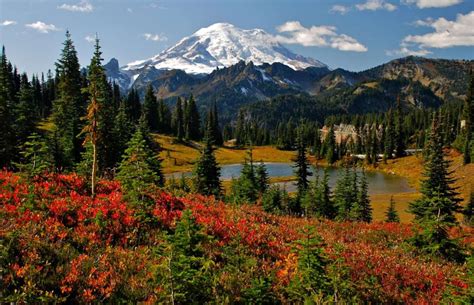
(380, 203)
(178, 157)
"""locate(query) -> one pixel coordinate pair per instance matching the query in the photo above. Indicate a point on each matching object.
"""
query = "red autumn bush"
(58, 244)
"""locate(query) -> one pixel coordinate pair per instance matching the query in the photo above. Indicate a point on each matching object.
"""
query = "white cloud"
(321, 36)
(8, 22)
(340, 9)
(374, 5)
(433, 3)
(404, 51)
(84, 7)
(459, 32)
(42, 27)
(129, 10)
(154, 37)
(90, 38)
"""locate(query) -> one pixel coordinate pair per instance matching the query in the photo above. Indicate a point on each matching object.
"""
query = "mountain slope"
(223, 45)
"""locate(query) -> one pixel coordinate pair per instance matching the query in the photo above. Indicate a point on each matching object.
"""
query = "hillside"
(421, 82)
(75, 249)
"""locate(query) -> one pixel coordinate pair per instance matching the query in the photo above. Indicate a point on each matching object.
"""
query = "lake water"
(379, 182)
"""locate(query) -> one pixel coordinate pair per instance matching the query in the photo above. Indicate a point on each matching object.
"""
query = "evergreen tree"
(240, 137)
(137, 172)
(345, 193)
(391, 214)
(301, 166)
(244, 189)
(134, 108)
(437, 182)
(399, 133)
(435, 210)
(468, 116)
(324, 204)
(164, 115)
(330, 146)
(213, 126)
(272, 200)
(150, 109)
(262, 178)
(36, 158)
(123, 130)
(389, 136)
(361, 209)
(310, 281)
(188, 273)
(178, 120)
(207, 171)
(193, 122)
(69, 105)
(24, 113)
(317, 144)
(7, 137)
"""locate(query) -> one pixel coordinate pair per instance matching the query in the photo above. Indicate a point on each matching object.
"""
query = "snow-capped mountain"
(222, 45)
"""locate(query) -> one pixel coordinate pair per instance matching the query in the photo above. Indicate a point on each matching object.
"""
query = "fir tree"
(179, 120)
(207, 171)
(134, 108)
(272, 200)
(262, 178)
(164, 115)
(361, 209)
(330, 146)
(435, 210)
(324, 204)
(345, 193)
(24, 113)
(437, 182)
(244, 189)
(399, 132)
(301, 166)
(391, 215)
(389, 136)
(317, 144)
(138, 172)
(468, 116)
(310, 281)
(123, 130)
(69, 105)
(36, 158)
(193, 122)
(150, 109)
(6, 117)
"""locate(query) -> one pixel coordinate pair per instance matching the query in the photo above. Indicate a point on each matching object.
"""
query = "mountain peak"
(223, 45)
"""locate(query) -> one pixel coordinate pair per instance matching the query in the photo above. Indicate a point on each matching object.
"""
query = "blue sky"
(353, 35)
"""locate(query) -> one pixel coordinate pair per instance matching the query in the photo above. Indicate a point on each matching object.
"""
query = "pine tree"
(137, 172)
(7, 138)
(330, 146)
(188, 273)
(345, 193)
(468, 116)
(310, 281)
(134, 107)
(100, 118)
(301, 166)
(435, 210)
(123, 131)
(24, 113)
(240, 137)
(36, 158)
(193, 122)
(207, 171)
(437, 182)
(399, 132)
(361, 209)
(150, 109)
(178, 120)
(391, 214)
(317, 143)
(245, 189)
(324, 203)
(69, 105)
(164, 115)
(262, 178)
(389, 136)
